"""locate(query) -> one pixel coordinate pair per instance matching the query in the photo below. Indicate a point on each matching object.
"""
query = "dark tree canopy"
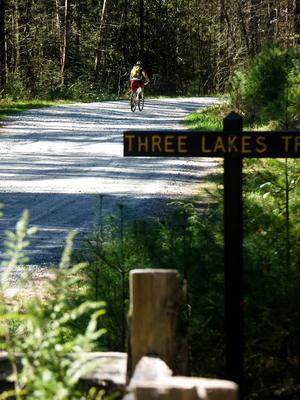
(50, 47)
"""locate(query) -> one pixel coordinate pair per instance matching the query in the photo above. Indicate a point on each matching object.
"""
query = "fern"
(51, 334)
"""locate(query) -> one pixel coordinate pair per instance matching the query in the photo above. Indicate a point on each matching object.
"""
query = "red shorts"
(135, 84)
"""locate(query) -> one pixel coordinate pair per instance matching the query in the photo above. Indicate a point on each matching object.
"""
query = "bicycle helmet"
(139, 63)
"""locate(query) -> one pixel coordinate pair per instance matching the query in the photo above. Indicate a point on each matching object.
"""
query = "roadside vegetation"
(47, 332)
(266, 93)
(9, 106)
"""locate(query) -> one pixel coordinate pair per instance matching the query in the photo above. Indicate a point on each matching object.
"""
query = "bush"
(294, 89)
(192, 243)
(50, 333)
(258, 89)
(15, 87)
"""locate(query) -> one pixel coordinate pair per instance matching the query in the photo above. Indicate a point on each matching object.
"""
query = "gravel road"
(57, 161)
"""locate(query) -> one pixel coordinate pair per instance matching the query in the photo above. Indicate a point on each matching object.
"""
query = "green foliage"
(272, 274)
(88, 90)
(190, 47)
(10, 106)
(205, 119)
(15, 87)
(237, 89)
(294, 89)
(176, 241)
(112, 251)
(259, 89)
(51, 330)
(191, 240)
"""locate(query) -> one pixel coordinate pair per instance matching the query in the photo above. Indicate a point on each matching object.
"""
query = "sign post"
(233, 145)
(233, 259)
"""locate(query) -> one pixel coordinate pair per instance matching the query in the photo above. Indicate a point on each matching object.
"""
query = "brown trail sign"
(233, 145)
(212, 144)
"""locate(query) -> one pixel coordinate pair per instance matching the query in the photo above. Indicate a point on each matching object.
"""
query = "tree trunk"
(27, 62)
(59, 31)
(254, 38)
(2, 45)
(78, 35)
(17, 38)
(125, 31)
(142, 29)
(297, 21)
(271, 19)
(244, 28)
(66, 42)
(102, 14)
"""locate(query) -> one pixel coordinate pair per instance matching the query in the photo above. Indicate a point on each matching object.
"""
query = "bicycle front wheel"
(141, 101)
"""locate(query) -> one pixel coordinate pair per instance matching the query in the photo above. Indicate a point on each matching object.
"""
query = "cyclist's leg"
(141, 96)
(133, 85)
(140, 87)
(132, 101)
(133, 88)
(138, 91)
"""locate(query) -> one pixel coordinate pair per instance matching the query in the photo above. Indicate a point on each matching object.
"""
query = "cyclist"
(137, 77)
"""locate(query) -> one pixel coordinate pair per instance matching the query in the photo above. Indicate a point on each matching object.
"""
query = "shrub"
(192, 243)
(45, 331)
(294, 89)
(258, 89)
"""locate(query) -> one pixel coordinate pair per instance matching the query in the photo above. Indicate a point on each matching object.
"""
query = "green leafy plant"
(294, 89)
(49, 333)
(258, 89)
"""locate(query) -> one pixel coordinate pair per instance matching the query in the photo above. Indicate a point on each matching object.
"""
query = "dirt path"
(57, 161)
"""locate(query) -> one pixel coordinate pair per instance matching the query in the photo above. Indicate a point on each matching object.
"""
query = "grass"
(9, 107)
(207, 119)
(211, 119)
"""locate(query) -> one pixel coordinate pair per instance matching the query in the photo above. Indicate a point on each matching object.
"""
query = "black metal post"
(233, 258)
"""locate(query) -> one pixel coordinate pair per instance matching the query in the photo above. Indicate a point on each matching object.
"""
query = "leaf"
(13, 316)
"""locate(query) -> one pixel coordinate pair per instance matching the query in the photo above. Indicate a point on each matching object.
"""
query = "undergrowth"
(190, 239)
(10, 106)
(47, 334)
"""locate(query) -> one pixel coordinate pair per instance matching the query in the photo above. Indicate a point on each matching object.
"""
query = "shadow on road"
(54, 162)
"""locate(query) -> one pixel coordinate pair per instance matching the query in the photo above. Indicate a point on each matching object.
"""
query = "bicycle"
(137, 99)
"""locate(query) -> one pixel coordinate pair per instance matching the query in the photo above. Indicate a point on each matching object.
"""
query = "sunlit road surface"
(57, 161)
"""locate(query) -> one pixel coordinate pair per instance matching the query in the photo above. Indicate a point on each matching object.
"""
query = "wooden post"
(160, 392)
(233, 258)
(185, 388)
(154, 303)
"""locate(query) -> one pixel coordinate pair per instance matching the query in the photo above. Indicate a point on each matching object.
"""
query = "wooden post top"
(157, 271)
(154, 301)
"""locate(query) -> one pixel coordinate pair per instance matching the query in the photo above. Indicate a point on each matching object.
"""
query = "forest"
(85, 48)
(246, 52)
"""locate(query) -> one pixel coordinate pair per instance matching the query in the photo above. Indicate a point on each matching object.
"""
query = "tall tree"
(66, 42)
(102, 11)
(125, 31)
(27, 59)
(142, 28)
(297, 21)
(2, 45)
(58, 28)
(189, 46)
